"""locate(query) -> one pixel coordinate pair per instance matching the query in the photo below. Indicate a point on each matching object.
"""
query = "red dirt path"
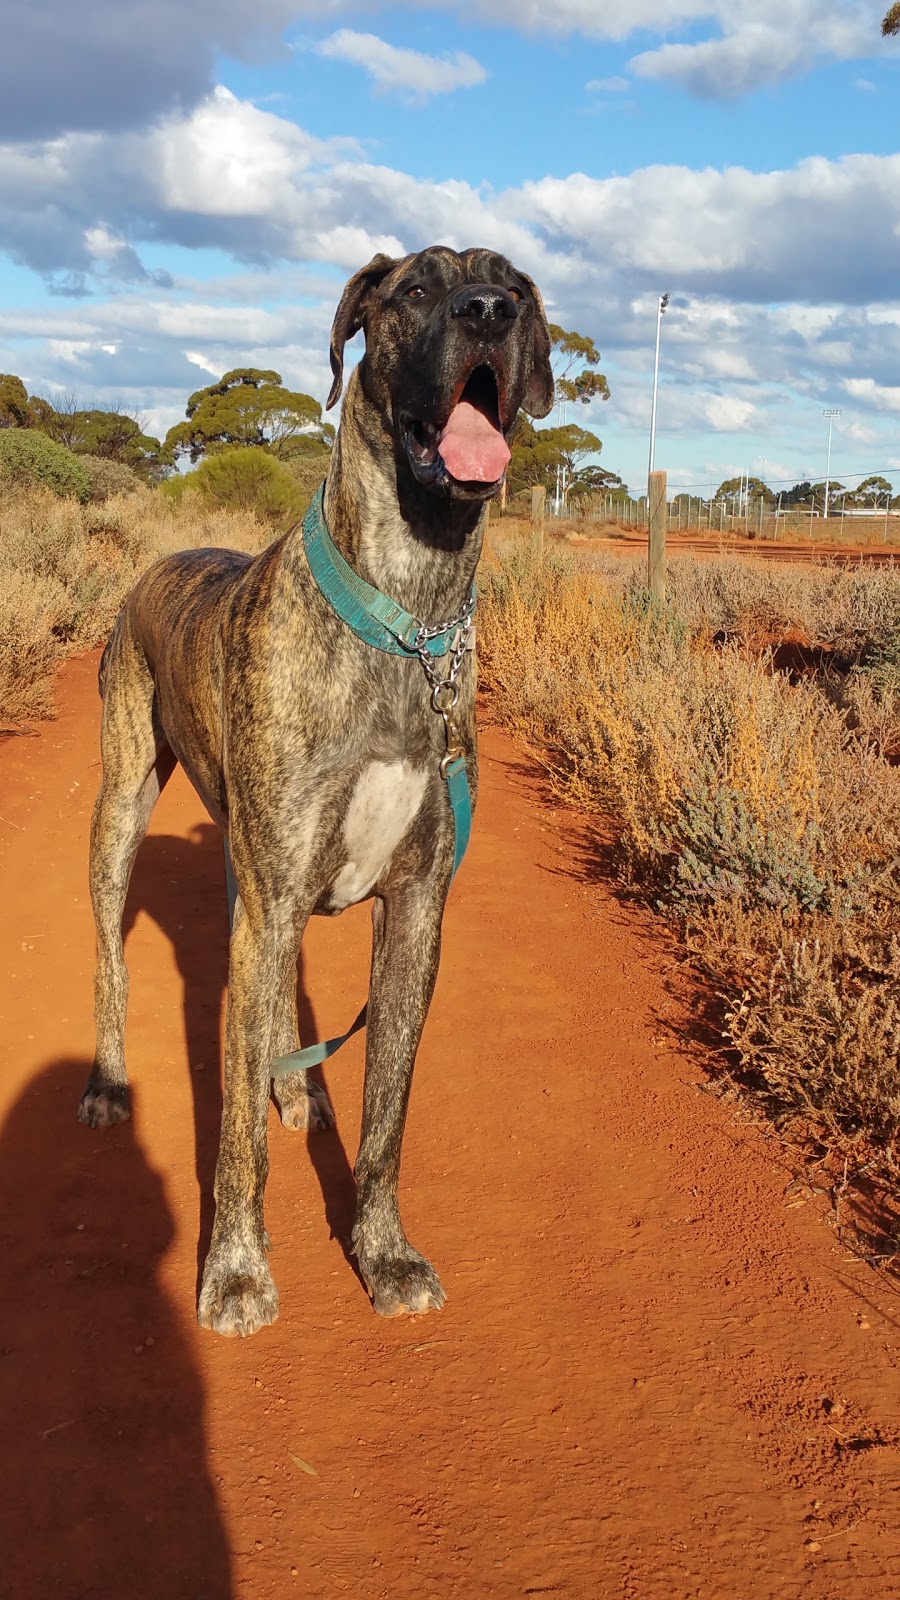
(653, 1379)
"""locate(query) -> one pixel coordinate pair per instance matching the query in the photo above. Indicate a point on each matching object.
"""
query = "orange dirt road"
(655, 1377)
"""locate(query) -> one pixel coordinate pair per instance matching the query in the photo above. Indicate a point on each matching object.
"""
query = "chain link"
(445, 690)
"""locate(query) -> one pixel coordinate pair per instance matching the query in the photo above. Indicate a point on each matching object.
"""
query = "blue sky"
(189, 193)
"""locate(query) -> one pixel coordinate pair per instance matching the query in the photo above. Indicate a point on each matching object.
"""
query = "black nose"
(488, 311)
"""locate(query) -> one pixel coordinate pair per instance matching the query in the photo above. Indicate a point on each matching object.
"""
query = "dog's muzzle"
(470, 447)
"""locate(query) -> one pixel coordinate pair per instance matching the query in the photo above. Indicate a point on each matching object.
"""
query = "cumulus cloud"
(730, 372)
(232, 176)
(409, 73)
(762, 42)
(874, 396)
(785, 235)
(758, 42)
(727, 414)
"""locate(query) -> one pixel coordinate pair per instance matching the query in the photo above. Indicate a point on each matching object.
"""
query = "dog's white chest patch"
(382, 808)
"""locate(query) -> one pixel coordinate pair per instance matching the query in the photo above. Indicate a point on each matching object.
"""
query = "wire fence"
(744, 504)
(758, 518)
(753, 518)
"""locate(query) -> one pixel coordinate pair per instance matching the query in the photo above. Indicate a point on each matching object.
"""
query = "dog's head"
(456, 344)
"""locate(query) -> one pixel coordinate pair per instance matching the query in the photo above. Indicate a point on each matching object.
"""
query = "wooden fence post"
(656, 574)
(538, 507)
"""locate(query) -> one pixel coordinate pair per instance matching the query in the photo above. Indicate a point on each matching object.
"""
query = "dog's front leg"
(238, 1294)
(406, 950)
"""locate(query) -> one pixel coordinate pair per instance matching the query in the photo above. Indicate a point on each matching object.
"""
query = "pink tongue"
(472, 449)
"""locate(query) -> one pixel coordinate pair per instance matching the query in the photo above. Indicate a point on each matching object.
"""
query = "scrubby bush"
(108, 478)
(30, 460)
(245, 479)
(66, 568)
(30, 652)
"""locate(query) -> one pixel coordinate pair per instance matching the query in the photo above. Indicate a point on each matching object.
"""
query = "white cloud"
(762, 42)
(727, 414)
(865, 85)
(746, 46)
(232, 176)
(197, 359)
(732, 232)
(409, 73)
(607, 86)
(872, 395)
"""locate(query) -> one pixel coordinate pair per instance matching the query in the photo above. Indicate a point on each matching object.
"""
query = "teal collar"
(372, 616)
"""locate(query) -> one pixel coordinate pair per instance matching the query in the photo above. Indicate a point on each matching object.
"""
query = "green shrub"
(244, 479)
(108, 478)
(175, 488)
(30, 460)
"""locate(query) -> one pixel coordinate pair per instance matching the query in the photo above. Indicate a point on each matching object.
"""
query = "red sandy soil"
(658, 1375)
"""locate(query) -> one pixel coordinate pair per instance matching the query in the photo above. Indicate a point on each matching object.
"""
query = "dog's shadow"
(180, 883)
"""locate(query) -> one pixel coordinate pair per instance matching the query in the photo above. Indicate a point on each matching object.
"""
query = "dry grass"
(759, 810)
(65, 569)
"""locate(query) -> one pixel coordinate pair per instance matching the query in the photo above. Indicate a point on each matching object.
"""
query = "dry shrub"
(109, 478)
(760, 811)
(812, 1006)
(65, 569)
(30, 652)
(853, 611)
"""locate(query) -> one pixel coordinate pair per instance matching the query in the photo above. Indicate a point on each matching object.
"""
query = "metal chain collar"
(445, 690)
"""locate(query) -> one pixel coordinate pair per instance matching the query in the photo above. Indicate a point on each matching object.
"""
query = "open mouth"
(470, 447)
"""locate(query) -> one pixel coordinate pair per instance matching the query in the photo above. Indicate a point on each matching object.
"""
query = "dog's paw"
(237, 1302)
(403, 1286)
(104, 1104)
(304, 1106)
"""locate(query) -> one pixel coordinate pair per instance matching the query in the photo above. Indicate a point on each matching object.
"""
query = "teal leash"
(382, 623)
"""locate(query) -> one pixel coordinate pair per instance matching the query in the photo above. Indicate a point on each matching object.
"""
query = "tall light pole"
(660, 308)
(831, 416)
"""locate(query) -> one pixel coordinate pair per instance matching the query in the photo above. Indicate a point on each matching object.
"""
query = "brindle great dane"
(316, 754)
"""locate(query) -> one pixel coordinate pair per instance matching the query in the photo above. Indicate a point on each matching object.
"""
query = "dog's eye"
(415, 293)
(515, 294)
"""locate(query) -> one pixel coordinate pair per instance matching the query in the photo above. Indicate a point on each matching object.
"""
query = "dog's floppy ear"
(351, 315)
(540, 392)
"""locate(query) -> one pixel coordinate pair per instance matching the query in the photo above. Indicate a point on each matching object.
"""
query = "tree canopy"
(15, 406)
(575, 361)
(543, 456)
(538, 453)
(112, 434)
(872, 492)
(891, 23)
(751, 488)
(248, 407)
